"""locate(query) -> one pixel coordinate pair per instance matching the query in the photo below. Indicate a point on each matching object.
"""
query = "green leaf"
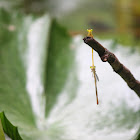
(17, 114)
(9, 129)
(59, 62)
(14, 99)
(2, 137)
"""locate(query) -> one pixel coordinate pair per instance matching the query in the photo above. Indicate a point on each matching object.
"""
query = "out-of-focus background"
(46, 85)
(118, 19)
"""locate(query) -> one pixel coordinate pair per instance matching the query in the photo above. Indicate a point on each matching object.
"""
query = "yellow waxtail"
(92, 58)
(93, 67)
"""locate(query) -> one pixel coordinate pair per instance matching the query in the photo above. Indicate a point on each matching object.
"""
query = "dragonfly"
(93, 68)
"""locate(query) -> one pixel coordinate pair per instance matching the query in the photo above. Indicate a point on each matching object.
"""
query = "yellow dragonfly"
(93, 67)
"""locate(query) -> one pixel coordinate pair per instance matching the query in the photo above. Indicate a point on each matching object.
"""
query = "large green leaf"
(17, 113)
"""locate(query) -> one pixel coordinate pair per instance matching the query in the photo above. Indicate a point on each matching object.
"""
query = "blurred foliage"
(14, 99)
(59, 61)
(9, 129)
(127, 40)
(109, 19)
(27, 6)
(1, 132)
(115, 18)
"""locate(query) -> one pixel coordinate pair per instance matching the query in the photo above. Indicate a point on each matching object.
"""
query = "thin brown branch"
(119, 68)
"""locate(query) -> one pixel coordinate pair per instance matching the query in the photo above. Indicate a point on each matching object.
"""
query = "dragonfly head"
(89, 32)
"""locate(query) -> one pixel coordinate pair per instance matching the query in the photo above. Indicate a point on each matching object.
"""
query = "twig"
(119, 68)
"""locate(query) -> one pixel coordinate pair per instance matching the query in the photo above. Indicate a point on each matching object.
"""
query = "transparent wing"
(96, 76)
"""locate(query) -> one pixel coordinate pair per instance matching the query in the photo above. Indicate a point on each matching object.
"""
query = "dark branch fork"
(118, 67)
